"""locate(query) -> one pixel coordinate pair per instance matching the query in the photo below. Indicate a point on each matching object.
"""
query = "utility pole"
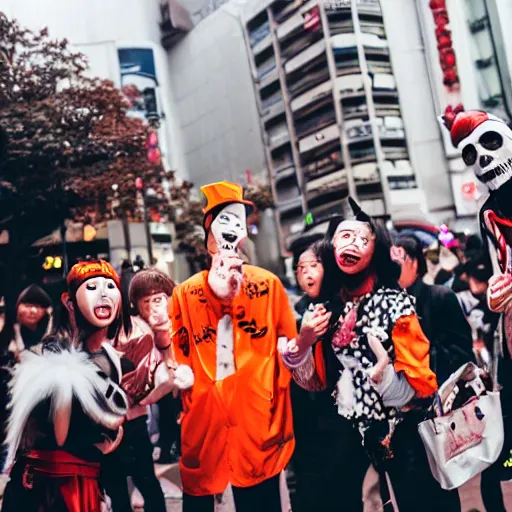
(140, 192)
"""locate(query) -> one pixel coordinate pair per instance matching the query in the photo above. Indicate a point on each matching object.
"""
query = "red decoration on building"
(312, 19)
(154, 155)
(447, 57)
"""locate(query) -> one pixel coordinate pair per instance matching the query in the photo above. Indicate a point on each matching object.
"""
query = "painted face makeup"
(229, 228)
(310, 273)
(353, 244)
(226, 275)
(155, 303)
(98, 299)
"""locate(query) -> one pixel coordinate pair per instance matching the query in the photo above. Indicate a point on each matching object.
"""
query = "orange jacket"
(237, 430)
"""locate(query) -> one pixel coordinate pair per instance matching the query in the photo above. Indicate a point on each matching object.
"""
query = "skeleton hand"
(226, 274)
(375, 338)
(499, 293)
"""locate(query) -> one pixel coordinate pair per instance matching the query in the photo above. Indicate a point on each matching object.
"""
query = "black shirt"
(444, 324)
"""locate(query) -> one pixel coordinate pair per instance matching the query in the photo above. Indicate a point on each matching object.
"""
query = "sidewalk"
(470, 498)
(470, 493)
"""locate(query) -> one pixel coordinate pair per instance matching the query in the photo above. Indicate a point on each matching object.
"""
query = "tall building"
(331, 111)
(324, 97)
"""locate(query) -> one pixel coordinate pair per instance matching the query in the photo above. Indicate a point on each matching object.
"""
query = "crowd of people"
(456, 320)
(376, 368)
(35, 322)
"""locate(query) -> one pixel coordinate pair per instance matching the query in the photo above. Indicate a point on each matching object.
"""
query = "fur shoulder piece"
(58, 376)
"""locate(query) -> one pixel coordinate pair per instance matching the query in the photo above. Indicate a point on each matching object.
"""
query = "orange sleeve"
(285, 319)
(180, 337)
(412, 355)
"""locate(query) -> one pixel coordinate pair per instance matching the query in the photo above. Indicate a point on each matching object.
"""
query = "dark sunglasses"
(489, 140)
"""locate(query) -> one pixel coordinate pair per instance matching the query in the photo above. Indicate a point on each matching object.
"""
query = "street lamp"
(139, 184)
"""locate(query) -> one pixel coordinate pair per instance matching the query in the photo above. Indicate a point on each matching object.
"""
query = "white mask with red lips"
(228, 229)
(98, 300)
(353, 243)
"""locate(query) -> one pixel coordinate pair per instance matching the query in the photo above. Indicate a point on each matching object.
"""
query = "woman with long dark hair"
(375, 358)
(66, 406)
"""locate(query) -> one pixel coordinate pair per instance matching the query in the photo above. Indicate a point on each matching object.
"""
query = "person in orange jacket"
(226, 322)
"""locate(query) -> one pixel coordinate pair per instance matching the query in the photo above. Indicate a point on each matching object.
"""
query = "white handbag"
(466, 441)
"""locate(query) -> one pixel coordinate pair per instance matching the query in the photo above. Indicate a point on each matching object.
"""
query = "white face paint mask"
(99, 300)
(229, 228)
(489, 151)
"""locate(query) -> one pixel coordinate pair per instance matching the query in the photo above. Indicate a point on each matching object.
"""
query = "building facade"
(244, 90)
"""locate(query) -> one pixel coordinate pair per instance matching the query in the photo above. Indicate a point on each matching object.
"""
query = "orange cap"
(223, 192)
(88, 269)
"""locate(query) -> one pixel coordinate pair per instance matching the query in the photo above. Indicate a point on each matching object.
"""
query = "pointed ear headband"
(358, 213)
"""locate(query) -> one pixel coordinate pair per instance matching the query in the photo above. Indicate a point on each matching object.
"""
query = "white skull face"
(230, 227)
(489, 150)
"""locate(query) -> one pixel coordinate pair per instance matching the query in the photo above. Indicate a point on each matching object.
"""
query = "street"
(470, 498)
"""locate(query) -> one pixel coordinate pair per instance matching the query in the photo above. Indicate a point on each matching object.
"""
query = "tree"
(69, 140)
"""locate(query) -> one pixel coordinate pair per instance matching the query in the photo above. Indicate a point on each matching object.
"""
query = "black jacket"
(444, 324)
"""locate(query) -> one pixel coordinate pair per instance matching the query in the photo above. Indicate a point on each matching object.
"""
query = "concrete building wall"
(215, 103)
(98, 28)
(89, 21)
(416, 102)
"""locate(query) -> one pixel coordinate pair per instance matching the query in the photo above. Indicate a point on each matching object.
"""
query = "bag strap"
(498, 333)
(496, 353)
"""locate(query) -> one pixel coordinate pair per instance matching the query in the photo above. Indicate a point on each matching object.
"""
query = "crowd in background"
(34, 315)
(449, 286)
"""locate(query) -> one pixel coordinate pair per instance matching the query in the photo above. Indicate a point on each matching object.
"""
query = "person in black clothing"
(361, 292)
(485, 321)
(33, 319)
(439, 312)
(22, 328)
(325, 442)
(482, 320)
(303, 479)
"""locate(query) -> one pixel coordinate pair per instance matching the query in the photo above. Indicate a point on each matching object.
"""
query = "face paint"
(98, 299)
(153, 304)
(488, 149)
(229, 228)
(310, 273)
(226, 275)
(353, 244)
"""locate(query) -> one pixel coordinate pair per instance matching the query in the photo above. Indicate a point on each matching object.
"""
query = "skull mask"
(486, 144)
(489, 150)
